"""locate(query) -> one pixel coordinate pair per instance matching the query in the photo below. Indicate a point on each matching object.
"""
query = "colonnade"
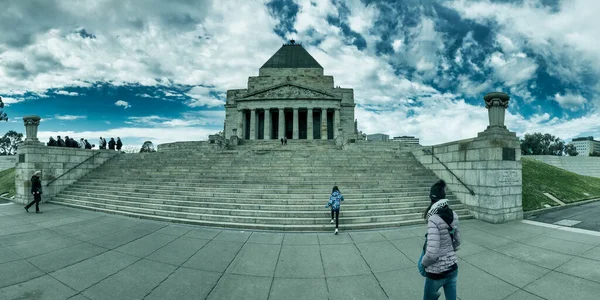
(260, 123)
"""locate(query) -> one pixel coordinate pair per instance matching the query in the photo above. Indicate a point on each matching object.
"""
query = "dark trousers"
(337, 217)
(36, 200)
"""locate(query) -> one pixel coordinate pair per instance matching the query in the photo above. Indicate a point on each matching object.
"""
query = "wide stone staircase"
(273, 188)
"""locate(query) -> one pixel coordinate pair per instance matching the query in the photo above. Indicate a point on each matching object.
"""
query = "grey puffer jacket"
(440, 254)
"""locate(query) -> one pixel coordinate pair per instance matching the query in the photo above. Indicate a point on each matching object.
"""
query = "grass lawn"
(539, 178)
(7, 182)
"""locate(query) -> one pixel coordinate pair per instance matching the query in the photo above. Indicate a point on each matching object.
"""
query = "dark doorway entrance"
(274, 124)
(302, 125)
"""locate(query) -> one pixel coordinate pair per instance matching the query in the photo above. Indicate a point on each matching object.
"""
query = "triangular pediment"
(288, 91)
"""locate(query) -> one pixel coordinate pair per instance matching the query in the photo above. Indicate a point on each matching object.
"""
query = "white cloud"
(123, 103)
(512, 69)
(570, 101)
(10, 100)
(68, 117)
(201, 96)
(65, 93)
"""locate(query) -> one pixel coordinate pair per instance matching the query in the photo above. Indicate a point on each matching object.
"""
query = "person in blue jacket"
(334, 202)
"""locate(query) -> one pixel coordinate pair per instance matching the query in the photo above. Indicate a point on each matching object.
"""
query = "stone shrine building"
(291, 97)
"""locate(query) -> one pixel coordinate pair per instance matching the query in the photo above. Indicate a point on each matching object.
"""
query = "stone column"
(336, 122)
(323, 123)
(281, 128)
(31, 128)
(295, 134)
(267, 133)
(309, 124)
(253, 124)
(240, 125)
(496, 103)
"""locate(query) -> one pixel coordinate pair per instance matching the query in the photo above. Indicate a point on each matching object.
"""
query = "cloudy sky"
(159, 70)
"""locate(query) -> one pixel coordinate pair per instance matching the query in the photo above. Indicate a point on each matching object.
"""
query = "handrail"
(427, 151)
(73, 168)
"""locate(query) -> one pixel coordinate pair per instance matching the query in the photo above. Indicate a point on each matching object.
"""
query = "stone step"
(290, 212)
(273, 180)
(251, 219)
(241, 199)
(288, 205)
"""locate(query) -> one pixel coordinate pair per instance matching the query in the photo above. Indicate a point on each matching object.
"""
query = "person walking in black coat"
(36, 191)
(87, 144)
(119, 144)
(60, 142)
(111, 144)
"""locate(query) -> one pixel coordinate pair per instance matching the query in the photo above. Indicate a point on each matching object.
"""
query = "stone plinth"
(53, 162)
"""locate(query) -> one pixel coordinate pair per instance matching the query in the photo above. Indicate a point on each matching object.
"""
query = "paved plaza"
(66, 253)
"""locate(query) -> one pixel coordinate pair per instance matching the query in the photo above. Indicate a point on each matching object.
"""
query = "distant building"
(586, 145)
(378, 137)
(407, 139)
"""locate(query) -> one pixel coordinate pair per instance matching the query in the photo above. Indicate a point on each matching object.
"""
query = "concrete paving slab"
(203, 233)
(5, 231)
(58, 222)
(474, 283)
(483, 238)
(569, 236)
(185, 283)
(396, 234)
(558, 286)
(300, 239)
(593, 253)
(18, 271)
(26, 237)
(274, 238)
(383, 256)
(504, 267)
(178, 251)
(343, 260)
(523, 295)
(256, 260)
(61, 258)
(582, 267)
(7, 255)
(84, 274)
(562, 246)
(214, 256)
(533, 255)
(233, 236)
(402, 284)
(146, 245)
(98, 230)
(79, 297)
(506, 232)
(334, 239)
(77, 226)
(300, 261)
(298, 289)
(232, 286)
(176, 230)
(467, 248)
(355, 287)
(119, 238)
(41, 288)
(367, 237)
(411, 247)
(38, 247)
(133, 282)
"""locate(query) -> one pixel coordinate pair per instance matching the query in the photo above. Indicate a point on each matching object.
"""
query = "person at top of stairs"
(334, 202)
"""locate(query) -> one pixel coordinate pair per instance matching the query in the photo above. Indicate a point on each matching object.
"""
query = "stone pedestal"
(31, 128)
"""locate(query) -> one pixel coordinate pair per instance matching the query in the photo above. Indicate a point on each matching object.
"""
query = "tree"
(3, 116)
(541, 144)
(147, 147)
(9, 142)
(570, 150)
(595, 153)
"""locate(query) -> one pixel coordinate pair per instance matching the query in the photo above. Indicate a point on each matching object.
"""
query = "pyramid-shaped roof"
(292, 55)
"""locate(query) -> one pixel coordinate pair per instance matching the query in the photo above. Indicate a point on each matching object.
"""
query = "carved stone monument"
(31, 128)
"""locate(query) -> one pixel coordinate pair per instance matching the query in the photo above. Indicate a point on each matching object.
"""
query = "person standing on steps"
(36, 191)
(119, 144)
(281, 141)
(334, 202)
(111, 144)
(443, 239)
(285, 140)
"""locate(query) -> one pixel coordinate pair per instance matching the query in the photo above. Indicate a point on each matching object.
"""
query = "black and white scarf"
(436, 207)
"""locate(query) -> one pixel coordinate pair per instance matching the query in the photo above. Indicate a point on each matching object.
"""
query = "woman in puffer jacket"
(443, 238)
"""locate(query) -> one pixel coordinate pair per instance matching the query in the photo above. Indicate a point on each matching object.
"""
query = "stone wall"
(7, 162)
(53, 162)
(490, 165)
(582, 165)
